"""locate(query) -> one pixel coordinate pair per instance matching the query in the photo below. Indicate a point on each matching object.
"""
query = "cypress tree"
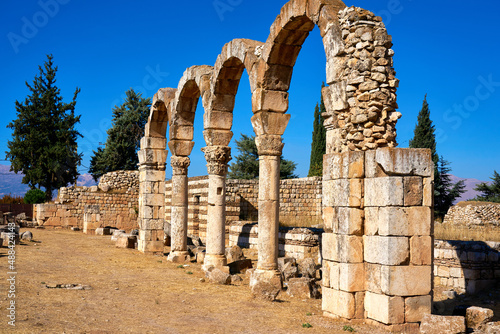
(318, 145)
(123, 142)
(44, 142)
(424, 134)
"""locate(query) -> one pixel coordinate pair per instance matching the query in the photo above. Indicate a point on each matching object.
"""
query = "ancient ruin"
(377, 199)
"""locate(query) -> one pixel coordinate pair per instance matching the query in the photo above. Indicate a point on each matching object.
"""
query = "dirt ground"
(136, 293)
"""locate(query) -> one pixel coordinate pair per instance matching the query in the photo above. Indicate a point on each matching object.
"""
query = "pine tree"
(123, 142)
(424, 137)
(490, 192)
(44, 144)
(318, 145)
(246, 165)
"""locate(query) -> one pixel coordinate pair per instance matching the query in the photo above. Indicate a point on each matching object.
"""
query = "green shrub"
(34, 196)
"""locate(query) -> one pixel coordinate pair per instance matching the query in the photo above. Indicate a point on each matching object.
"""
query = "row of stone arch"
(350, 119)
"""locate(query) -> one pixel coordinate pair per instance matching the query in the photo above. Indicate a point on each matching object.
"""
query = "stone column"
(217, 159)
(270, 148)
(152, 157)
(179, 213)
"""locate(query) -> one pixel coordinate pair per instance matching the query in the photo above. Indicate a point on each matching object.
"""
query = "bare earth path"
(136, 293)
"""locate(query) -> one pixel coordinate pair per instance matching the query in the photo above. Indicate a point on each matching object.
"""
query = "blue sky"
(446, 49)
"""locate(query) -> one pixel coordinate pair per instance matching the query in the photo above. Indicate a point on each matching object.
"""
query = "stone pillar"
(270, 148)
(217, 159)
(152, 157)
(377, 245)
(179, 209)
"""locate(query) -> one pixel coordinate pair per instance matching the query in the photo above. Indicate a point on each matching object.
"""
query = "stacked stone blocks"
(377, 248)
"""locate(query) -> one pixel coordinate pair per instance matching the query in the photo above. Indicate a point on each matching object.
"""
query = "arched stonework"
(377, 241)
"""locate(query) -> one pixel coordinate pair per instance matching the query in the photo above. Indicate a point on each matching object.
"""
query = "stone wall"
(466, 266)
(91, 207)
(473, 215)
(300, 202)
(298, 243)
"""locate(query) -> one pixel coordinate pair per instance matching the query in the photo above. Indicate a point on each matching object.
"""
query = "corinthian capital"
(217, 159)
(179, 165)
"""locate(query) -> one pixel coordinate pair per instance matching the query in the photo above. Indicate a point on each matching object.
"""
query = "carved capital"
(179, 165)
(217, 159)
(269, 145)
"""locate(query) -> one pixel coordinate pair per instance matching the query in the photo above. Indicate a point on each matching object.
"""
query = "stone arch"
(235, 57)
(160, 113)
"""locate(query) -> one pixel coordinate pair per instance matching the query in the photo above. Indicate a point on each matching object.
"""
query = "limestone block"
(385, 309)
(350, 220)
(150, 246)
(477, 317)
(181, 147)
(302, 287)
(339, 303)
(330, 220)
(153, 200)
(428, 192)
(406, 280)
(343, 192)
(359, 298)
(373, 277)
(277, 77)
(275, 101)
(440, 324)
(413, 188)
(352, 277)
(329, 247)
(421, 250)
(346, 165)
(350, 248)
(126, 241)
(215, 137)
(384, 191)
(417, 307)
(420, 220)
(334, 96)
(386, 250)
(265, 122)
(153, 143)
(399, 161)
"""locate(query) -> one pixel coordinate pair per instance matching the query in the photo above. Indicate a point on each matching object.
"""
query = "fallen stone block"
(440, 324)
(215, 275)
(492, 328)
(302, 287)
(116, 234)
(236, 280)
(307, 267)
(126, 241)
(477, 317)
(265, 284)
(234, 254)
(289, 270)
(240, 266)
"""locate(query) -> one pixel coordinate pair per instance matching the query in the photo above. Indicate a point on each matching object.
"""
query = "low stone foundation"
(466, 266)
(298, 243)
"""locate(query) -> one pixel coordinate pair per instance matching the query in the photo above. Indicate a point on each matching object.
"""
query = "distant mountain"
(470, 184)
(11, 183)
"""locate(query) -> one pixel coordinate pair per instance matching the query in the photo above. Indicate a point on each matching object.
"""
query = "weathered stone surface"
(413, 188)
(27, 236)
(339, 303)
(421, 250)
(306, 268)
(477, 317)
(302, 287)
(126, 241)
(384, 191)
(385, 309)
(492, 328)
(234, 253)
(417, 307)
(406, 280)
(440, 324)
(265, 284)
(215, 275)
(386, 250)
(240, 266)
(352, 277)
(399, 161)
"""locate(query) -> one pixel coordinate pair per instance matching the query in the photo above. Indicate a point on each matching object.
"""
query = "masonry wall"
(298, 243)
(466, 266)
(300, 202)
(115, 206)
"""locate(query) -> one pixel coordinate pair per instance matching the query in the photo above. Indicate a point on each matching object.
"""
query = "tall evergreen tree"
(246, 165)
(44, 141)
(318, 145)
(424, 134)
(123, 142)
(489, 192)
(424, 137)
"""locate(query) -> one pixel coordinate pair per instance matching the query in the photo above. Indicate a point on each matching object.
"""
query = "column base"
(179, 257)
(265, 284)
(150, 246)
(214, 260)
